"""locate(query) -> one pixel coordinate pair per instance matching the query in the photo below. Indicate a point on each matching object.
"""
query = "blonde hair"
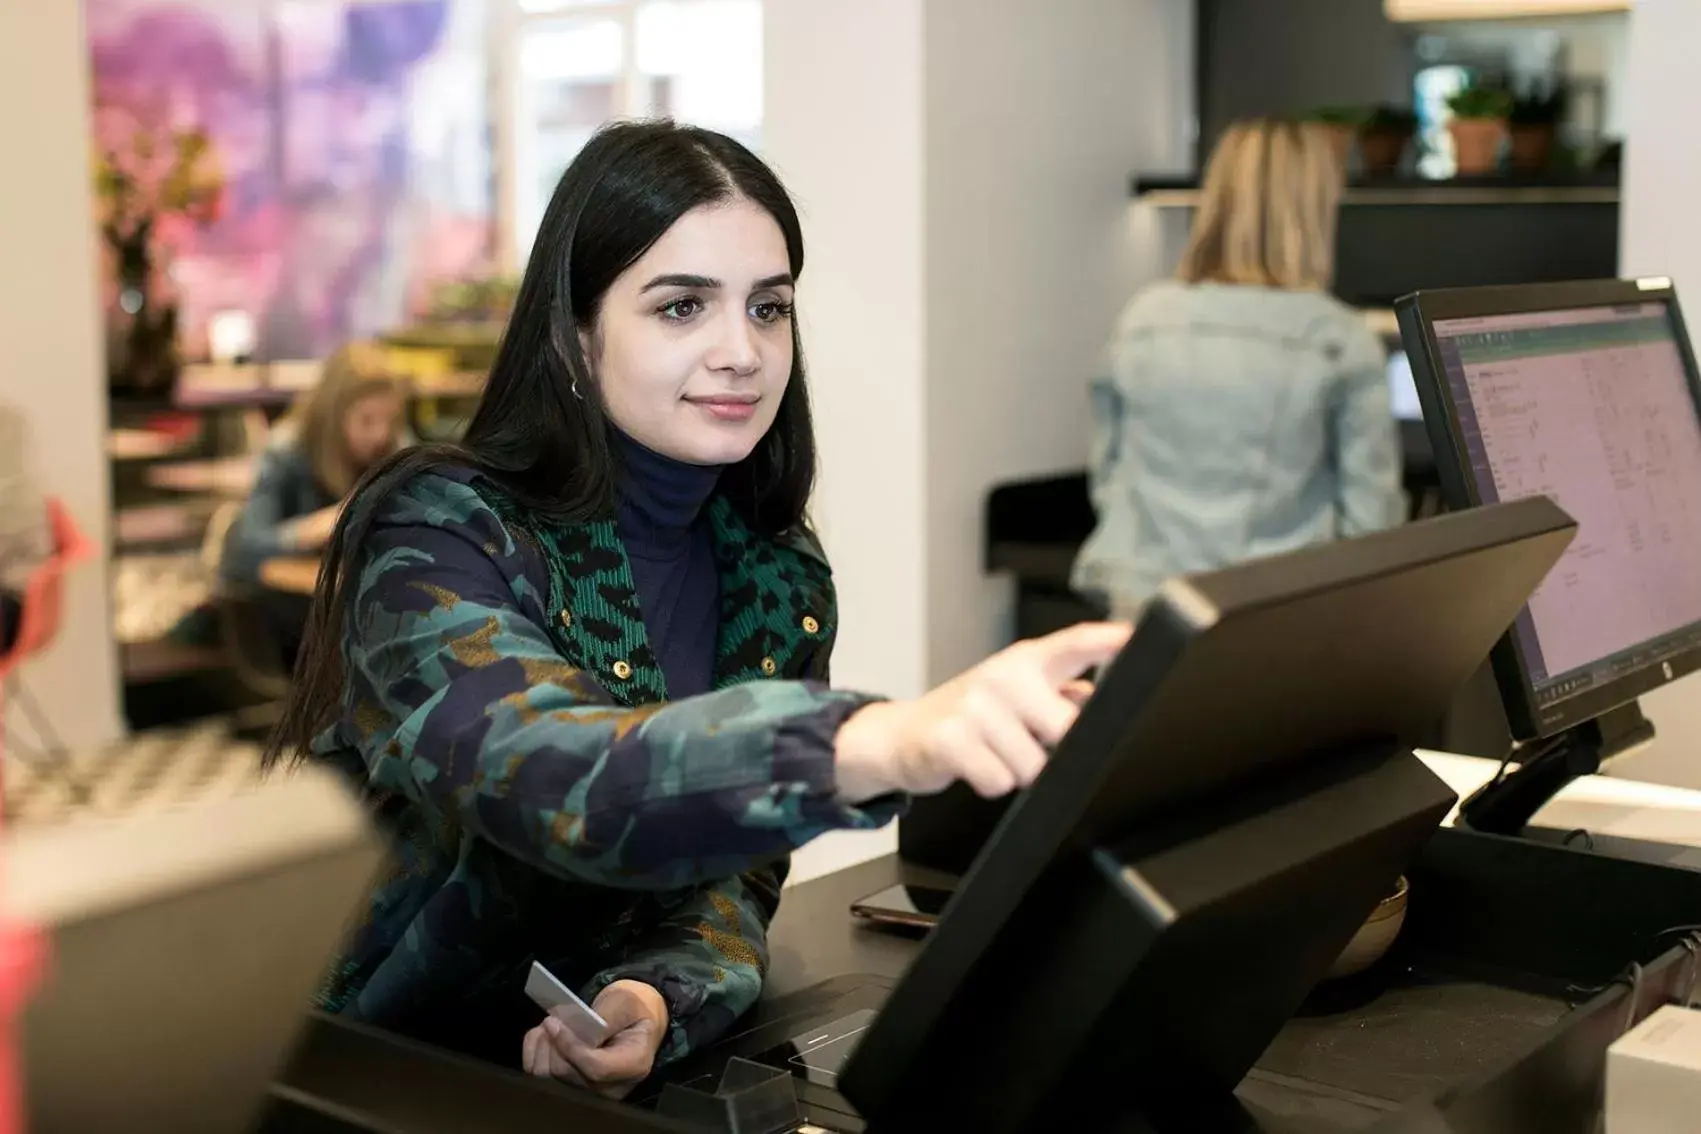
(356, 372)
(1267, 211)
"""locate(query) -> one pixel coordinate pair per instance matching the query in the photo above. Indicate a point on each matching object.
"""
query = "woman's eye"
(682, 309)
(770, 312)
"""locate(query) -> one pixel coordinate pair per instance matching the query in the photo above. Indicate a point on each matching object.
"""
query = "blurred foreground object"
(186, 939)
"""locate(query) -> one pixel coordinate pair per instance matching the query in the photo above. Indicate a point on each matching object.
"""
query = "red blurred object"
(23, 951)
(180, 427)
(23, 955)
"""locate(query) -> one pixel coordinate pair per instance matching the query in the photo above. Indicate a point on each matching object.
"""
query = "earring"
(575, 389)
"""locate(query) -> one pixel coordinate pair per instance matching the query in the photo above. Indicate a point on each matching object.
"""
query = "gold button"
(810, 626)
(623, 670)
(566, 618)
(768, 667)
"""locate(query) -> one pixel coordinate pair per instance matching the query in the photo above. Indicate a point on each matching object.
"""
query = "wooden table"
(296, 575)
(222, 476)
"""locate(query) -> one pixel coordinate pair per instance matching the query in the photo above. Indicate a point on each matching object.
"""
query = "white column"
(1661, 227)
(843, 126)
(1661, 236)
(50, 353)
(1037, 116)
(962, 170)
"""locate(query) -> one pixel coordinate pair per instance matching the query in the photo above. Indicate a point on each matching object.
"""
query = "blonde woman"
(1244, 411)
(349, 422)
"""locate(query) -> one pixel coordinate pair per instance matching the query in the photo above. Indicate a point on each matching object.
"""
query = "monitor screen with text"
(1594, 408)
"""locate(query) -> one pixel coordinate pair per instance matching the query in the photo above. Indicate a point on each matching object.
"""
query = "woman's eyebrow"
(675, 280)
(705, 283)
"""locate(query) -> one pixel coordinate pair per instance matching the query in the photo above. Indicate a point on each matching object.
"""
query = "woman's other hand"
(990, 727)
(637, 1025)
(313, 531)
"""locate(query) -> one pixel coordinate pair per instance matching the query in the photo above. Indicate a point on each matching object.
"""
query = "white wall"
(962, 172)
(50, 355)
(843, 127)
(845, 134)
(1037, 116)
(1661, 235)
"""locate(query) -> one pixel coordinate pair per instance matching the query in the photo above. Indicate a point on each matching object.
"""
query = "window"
(579, 63)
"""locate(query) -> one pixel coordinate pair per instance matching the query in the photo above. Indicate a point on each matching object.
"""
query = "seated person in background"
(578, 662)
(1245, 411)
(345, 425)
(25, 541)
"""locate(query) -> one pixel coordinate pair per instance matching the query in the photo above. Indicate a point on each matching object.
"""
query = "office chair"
(245, 635)
(38, 626)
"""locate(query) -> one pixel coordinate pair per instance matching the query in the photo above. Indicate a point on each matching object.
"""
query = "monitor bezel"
(1417, 314)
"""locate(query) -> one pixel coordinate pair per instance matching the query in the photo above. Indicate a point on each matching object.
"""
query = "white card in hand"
(549, 994)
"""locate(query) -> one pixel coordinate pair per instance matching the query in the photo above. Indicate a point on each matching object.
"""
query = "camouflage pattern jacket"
(508, 720)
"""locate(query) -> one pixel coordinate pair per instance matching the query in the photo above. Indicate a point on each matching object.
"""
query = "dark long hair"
(540, 431)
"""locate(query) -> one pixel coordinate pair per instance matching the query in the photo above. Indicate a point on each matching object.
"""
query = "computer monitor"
(1233, 801)
(1585, 392)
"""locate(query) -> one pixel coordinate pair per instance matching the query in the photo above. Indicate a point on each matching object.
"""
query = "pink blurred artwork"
(353, 140)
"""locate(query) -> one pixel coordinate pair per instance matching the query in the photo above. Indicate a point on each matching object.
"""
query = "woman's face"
(692, 345)
(370, 427)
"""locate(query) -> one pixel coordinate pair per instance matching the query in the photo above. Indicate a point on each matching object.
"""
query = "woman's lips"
(727, 408)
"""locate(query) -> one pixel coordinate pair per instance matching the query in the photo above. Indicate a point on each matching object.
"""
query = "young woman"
(348, 423)
(1245, 412)
(587, 648)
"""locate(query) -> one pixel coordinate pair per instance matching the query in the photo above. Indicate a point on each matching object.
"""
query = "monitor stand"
(1507, 803)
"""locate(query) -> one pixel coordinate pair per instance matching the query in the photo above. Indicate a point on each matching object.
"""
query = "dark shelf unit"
(1595, 186)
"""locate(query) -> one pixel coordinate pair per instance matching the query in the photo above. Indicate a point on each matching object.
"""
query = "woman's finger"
(1068, 653)
(1007, 736)
(627, 1057)
(1044, 709)
(532, 1056)
(970, 760)
(1078, 692)
(561, 1038)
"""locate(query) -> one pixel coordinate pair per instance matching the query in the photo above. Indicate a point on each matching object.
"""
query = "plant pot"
(1532, 144)
(1476, 144)
(1381, 150)
(142, 349)
(141, 330)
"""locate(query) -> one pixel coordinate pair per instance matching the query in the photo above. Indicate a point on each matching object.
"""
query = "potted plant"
(157, 179)
(1382, 139)
(1534, 124)
(1342, 122)
(1479, 127)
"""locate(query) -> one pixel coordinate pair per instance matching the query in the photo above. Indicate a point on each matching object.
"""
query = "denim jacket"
(284, 490)
(1230, 423)
(507, 719)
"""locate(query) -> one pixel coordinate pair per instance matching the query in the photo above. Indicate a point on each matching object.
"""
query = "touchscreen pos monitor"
(1585, 393)
(1233, 801)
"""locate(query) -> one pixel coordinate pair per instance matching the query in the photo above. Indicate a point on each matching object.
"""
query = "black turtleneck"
(665, 527)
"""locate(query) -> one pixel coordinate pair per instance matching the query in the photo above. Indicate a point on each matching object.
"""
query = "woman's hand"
(637, 1024)
(313, 531)
(990, 727)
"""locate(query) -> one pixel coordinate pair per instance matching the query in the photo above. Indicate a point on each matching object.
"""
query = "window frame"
(509, 24)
